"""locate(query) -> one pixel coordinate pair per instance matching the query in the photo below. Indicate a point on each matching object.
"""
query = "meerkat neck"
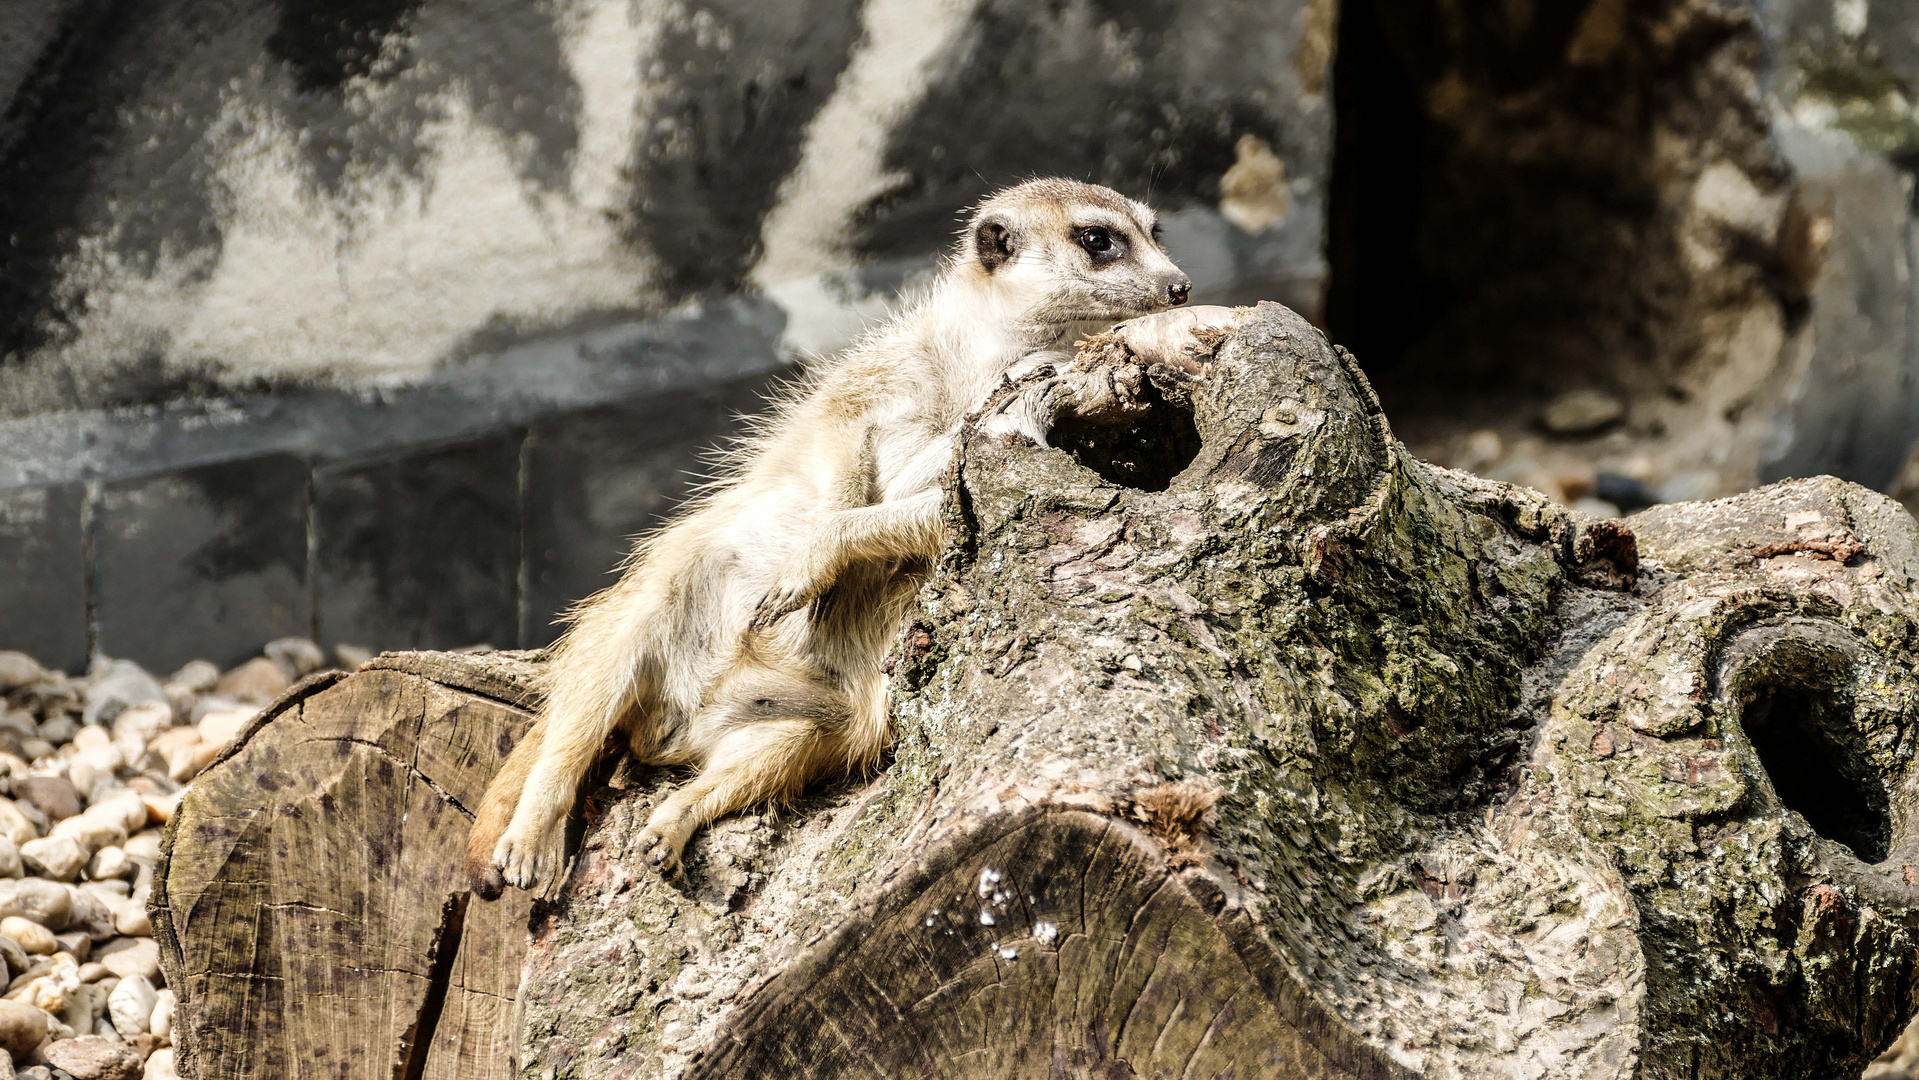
(976, 330)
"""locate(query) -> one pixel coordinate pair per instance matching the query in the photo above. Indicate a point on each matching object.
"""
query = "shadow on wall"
(481, 541)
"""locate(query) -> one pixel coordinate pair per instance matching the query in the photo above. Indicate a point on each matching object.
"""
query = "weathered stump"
(306, 904)
(1232, 742)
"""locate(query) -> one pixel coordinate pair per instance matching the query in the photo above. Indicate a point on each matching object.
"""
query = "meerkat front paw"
(781, 600)
(662, 842)
(520, 862)
(1105, 392)
(1184, 338)
(796, 587)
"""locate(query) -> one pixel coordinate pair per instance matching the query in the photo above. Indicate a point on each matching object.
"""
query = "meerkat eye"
(1095, 240)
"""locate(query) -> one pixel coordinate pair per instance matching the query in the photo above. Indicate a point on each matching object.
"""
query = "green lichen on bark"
(1869, 102)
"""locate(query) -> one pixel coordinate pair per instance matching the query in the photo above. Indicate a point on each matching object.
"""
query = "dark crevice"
(1146, 453)
(1378, 300)
(1502, 222)
(1803, 734)
(327, 42)
(446, 947)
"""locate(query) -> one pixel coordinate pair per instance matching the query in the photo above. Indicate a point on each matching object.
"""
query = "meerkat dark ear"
(992, 243)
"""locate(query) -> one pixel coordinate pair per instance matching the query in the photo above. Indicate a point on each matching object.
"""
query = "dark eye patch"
(1103, 244)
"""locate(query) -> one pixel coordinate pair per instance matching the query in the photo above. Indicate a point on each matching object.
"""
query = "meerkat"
(745, 638)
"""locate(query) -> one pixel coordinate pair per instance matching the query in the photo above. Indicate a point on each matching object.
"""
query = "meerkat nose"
(1179, 290)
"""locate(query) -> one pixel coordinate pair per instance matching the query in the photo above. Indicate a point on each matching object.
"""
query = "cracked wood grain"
(302, 917)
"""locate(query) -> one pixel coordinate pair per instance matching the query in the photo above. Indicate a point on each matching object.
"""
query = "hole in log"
(1146, 453)
(1801, 728)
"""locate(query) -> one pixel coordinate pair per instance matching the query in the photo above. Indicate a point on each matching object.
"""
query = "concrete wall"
(386, 321)
(279, 192)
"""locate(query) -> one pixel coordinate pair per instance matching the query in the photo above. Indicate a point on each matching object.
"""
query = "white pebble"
(162, 1023)
(142, 722)
(57, 857)
(219, 728)
(127, 957)
(90, 914)
(49, 989)
(144, 844)
(125, 808)
(195, 676)
(93, 764)
(132, 920)
(48, 903)
(160, 808)
(90, 830)
(14, 824)
(86, 1006)
(160, 1065)
(37, 940)
(91, 737)
(131, 1006)
(110, 862)
(181, 750)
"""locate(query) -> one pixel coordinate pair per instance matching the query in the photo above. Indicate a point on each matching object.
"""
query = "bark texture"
(1233, 741)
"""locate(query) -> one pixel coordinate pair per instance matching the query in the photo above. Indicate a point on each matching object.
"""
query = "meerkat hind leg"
(754, 762)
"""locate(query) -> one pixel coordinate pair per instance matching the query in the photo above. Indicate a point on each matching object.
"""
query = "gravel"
(91, 769)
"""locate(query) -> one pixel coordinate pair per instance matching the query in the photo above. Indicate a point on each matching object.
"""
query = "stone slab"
(43, 579)
(420, 550)
(208, 562)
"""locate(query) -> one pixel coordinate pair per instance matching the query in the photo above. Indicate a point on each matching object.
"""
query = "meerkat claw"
(783, 599)
(776, 606)
(516, 865)
(490, 884)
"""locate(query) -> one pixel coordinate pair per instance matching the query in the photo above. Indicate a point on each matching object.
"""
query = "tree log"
(1232, 741)
(305, 904)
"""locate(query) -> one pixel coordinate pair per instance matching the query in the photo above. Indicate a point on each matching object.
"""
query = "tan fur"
(745, 638)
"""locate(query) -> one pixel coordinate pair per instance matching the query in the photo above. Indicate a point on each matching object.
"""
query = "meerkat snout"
(1178, 290)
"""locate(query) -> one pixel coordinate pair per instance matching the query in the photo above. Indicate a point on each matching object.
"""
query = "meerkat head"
(1066, 254)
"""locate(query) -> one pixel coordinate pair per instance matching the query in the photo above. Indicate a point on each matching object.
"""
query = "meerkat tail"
(496, 811)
